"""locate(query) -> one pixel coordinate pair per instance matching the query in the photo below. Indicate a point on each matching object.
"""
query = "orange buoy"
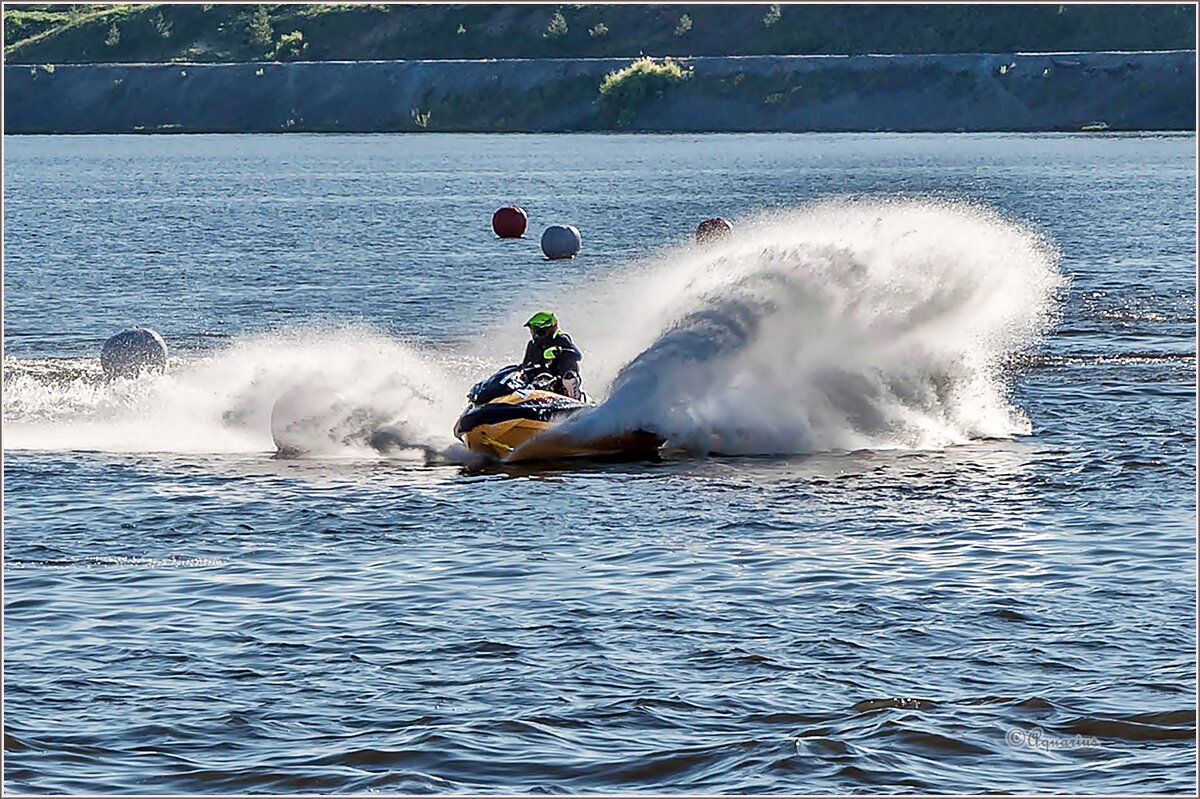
(510, 222)
(711, 230)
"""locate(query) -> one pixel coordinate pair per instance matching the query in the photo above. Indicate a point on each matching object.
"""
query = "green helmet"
(541, 320)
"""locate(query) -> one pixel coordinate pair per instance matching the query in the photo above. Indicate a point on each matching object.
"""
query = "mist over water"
(842, 325)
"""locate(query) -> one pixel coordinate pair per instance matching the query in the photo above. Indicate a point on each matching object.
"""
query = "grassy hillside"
(225, 32)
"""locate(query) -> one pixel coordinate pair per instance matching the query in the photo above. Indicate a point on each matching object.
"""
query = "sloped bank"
(991, 92)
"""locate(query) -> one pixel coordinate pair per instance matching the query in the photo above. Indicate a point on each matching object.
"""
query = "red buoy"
(510, 222)
(711, 230)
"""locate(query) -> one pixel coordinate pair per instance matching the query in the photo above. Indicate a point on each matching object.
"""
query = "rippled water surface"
(957, 371)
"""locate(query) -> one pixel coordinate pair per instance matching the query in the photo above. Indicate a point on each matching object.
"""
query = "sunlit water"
(958, 373)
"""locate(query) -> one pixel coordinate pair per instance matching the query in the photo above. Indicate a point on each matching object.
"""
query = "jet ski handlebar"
(542, 380)
(507, 380)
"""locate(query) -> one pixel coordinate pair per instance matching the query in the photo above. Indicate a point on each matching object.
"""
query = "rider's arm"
(569, 347)
(533, 356)
(567, 357)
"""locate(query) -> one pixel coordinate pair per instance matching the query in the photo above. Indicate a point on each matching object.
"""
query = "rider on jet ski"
(551, 351)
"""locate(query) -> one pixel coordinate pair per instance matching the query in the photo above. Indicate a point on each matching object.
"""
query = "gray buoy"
(561, 241)
(133, 351)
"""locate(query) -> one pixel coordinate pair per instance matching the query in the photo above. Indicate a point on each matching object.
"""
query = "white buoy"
(561, 241)
(133, 351)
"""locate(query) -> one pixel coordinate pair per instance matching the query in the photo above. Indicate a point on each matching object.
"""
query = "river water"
(949, 544)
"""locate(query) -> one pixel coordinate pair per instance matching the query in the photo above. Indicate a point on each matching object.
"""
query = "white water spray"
(224, 402)
(841, 326)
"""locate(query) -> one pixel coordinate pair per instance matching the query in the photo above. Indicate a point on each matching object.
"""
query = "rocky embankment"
(969, 92)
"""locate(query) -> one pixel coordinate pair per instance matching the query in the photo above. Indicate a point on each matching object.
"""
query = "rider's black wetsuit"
(555, 354)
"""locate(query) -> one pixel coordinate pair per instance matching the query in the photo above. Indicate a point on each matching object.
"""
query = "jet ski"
(511, 417)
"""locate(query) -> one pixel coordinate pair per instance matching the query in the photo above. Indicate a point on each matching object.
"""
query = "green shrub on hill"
(557, 27)
(259, 28)
(625, 91)
(290, 47)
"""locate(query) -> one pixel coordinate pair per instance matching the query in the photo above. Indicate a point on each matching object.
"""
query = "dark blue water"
(954, 520)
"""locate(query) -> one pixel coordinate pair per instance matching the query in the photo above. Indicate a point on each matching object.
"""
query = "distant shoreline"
(995, 92)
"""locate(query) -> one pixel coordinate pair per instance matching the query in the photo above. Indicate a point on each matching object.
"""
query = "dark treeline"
(226, 32)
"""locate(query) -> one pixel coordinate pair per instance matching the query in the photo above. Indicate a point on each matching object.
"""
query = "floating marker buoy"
(561, 241)
(510, 222)
(133, 351)
(714, 229)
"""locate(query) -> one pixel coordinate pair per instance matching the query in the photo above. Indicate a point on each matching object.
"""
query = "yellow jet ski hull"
(552, 446)
(518, 427)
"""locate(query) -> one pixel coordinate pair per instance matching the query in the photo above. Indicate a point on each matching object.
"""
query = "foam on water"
(842, 325)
